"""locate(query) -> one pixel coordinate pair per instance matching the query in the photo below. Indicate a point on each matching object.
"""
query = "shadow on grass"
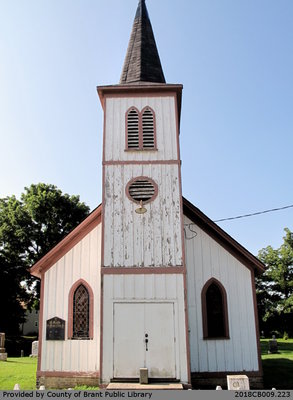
(278, 373)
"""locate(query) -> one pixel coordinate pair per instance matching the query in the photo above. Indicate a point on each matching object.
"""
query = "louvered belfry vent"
(148, 130)
(140, 129)
(142, 189)
(132, 129)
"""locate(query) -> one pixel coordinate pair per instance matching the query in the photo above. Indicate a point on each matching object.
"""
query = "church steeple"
(142, 62)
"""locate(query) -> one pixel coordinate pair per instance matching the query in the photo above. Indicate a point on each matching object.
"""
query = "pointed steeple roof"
(142, 62)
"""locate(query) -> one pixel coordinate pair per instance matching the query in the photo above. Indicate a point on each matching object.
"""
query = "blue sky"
(235, 61)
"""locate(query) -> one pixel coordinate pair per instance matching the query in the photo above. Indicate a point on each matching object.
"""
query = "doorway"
(144, 337)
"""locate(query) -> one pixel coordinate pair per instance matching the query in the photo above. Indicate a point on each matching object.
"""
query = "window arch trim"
(146, 178)
(224, 308)
(127, 127)
(71, 304)
(140, 129)
(154, 127)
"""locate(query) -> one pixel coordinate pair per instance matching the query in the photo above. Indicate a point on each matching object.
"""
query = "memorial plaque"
(55, 329)
(238, 382)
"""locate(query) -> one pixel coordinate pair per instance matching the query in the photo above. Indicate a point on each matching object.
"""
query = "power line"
(253, 214)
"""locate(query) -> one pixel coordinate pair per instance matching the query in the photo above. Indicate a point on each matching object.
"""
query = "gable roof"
(66, 244)
(189, 210)
(142, 62)
(225, 240)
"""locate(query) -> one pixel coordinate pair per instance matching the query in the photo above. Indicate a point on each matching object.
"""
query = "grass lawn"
(278, 368)
(18, 370)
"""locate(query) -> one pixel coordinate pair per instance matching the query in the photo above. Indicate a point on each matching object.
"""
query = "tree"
(275, 287)
(29, 228)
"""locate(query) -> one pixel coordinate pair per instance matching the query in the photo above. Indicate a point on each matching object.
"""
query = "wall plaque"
(55, 329)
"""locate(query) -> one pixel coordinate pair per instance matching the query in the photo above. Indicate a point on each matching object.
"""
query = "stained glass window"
(81, 303)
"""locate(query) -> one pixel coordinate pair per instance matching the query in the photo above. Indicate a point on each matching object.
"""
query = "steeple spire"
(142, 62)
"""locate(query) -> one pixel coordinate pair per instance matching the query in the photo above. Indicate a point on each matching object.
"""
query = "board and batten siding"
(140, 288)
(83, 261)
(150, 240)
(115, 128)
(205, 259)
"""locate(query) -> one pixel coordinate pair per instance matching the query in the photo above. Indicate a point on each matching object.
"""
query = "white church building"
(146, 280)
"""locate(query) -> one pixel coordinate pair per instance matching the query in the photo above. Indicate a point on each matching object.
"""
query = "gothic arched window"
(214, 310)
(81, 305)
(80, 321)
(140, 129)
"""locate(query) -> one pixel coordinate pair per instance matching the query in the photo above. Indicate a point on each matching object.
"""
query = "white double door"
(144, 337)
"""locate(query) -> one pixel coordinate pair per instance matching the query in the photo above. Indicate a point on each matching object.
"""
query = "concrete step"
(138, 386)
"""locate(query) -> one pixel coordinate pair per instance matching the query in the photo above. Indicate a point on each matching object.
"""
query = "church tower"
(143, 298)
(146, 281)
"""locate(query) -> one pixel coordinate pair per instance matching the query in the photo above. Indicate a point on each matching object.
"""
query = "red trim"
(142, 270)
(126, 126)
(101, 326)
(177, 117)
(67, 374)
(139, 178)
(67, 243)
(70, 308)
(171, 162)
(140, 129)
(41, 323)
(220, 236)
(103, 185)
(256, 322)
(204, 309)
(155, 125)
(102, 241)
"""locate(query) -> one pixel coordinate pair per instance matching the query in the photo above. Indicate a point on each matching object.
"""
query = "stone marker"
(35, 348)
(16, 387)
(3, 355)
(143, 376)
(238, 382)
(273, 346)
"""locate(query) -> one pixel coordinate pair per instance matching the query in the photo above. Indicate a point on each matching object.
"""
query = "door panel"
(159, 325)
(128, 340)
(132, 322)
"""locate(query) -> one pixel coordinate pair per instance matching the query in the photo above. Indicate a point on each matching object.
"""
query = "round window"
(142, 189)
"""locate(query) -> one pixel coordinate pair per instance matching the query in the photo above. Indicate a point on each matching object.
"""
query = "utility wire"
(257, 213)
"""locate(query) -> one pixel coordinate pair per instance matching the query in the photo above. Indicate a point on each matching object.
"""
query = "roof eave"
(230, 244)
(67, 243)
(141, 87)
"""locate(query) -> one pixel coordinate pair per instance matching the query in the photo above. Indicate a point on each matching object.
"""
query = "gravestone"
(3, 355)
(273, 346)
(35, 349)
(238, 382)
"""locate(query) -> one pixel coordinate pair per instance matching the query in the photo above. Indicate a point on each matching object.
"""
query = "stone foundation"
(63, 382)
(3, 356)
(211, 381)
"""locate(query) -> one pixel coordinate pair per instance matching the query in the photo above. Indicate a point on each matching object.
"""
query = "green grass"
(278, 368)
(18, 370)
(84, 387)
